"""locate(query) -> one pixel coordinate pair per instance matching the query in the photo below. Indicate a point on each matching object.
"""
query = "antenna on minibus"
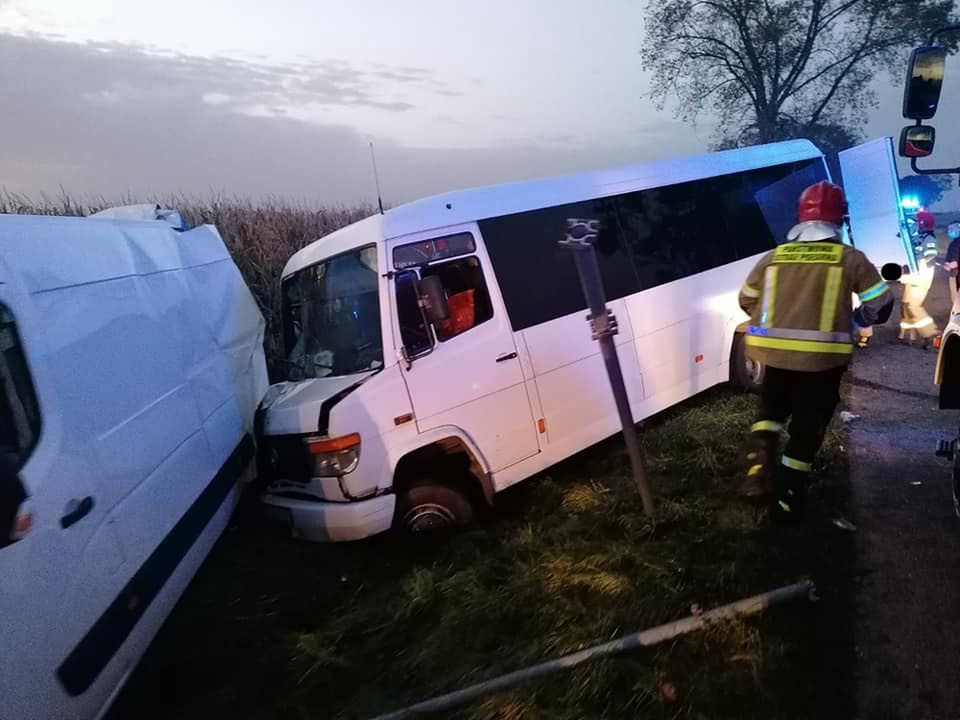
(376, 177)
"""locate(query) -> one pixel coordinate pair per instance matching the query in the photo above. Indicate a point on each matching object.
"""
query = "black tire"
(429, 508)
(744, 372)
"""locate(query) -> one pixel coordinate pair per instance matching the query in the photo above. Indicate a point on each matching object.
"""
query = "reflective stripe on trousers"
(917, 325)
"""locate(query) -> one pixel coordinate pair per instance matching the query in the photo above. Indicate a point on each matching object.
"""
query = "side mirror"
(891, 272)
(921, 93)
(433, 300)
(917, 141)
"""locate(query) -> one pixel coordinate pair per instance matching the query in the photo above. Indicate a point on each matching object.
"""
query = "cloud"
(140, 72)
(111, 119)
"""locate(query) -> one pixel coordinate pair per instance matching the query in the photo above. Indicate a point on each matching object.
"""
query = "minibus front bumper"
(322, 521)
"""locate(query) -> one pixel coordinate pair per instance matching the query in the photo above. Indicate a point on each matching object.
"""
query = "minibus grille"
(287, 458)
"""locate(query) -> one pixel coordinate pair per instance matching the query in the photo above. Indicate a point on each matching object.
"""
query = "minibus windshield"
(331, 317)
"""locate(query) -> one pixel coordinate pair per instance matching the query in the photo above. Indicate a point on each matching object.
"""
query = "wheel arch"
(448, 447)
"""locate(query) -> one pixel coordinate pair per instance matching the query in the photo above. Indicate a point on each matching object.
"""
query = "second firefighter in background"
(915, 321)
(801, 328)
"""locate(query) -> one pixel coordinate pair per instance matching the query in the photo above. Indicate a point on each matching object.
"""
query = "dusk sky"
(281, 98)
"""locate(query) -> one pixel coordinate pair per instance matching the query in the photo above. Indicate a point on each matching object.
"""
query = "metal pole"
(581, 235)
(748, 606)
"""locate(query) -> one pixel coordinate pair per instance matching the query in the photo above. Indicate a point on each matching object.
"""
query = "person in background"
(915, 322)
(952, 260)
(926, 243)
(798, 298)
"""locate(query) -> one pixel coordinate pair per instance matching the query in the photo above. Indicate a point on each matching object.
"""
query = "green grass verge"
(273, 628)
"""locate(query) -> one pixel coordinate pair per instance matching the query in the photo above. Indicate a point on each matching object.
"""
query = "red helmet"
(926, 221)
(823, 201)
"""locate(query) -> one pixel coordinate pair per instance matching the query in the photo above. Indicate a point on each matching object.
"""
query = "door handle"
(76, 511)
(508, 356)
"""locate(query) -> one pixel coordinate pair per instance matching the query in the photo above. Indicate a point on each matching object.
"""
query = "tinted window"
(649, 237)
(19, 413)
(775, 192)
(538, 278)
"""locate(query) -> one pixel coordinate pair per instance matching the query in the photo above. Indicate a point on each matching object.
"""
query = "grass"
(274, 628)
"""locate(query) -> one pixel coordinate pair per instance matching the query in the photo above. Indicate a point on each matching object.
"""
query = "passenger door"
(872, 188)
(465, 371)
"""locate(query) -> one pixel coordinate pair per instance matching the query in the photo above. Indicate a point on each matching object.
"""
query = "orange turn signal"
(317, 446)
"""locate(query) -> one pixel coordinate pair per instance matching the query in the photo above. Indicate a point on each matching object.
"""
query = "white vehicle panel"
(577, 401)
(144, 348)
(873, 195)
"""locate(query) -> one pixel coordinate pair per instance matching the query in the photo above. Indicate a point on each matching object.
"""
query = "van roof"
(473, 204)
(47, 252)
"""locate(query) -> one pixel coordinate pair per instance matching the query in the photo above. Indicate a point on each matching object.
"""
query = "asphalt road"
(907, 569)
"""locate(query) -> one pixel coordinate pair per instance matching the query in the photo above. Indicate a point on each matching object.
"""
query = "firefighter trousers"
(807, 400)
(915, 322)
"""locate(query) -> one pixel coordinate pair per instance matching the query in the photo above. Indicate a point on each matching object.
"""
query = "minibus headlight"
(334, 456)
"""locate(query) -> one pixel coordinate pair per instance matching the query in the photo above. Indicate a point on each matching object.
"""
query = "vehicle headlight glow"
(333, 457)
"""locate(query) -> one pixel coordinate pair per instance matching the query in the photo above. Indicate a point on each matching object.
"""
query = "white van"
(131, 365)
(389, 418)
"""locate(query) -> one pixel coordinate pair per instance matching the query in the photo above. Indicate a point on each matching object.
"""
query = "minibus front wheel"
(432, 508)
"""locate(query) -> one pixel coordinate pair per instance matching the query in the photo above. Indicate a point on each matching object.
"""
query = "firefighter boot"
(789, 495)
(757, 483)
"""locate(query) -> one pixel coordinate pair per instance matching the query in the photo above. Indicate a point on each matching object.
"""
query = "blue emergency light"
(910, 202)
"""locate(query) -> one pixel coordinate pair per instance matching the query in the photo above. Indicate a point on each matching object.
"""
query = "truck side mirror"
(921, 92)
(433, 299)
(891, 272)
(917, 141)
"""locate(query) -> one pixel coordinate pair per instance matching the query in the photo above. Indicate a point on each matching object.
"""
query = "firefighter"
(926, 244)
(915, 322)
(801, 327)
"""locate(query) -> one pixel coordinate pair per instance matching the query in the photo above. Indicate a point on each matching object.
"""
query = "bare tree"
(775, 69)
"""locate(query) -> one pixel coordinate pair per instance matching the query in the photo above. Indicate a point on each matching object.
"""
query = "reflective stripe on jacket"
(799, 301)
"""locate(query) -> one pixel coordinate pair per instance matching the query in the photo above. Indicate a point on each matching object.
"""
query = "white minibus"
(439, 353)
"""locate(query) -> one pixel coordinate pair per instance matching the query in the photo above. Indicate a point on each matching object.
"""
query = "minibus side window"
(467, 297)
(414, 332)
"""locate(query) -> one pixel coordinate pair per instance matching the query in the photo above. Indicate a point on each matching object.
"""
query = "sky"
(282, 98)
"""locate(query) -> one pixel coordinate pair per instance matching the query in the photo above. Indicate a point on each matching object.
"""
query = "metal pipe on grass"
(741, 608)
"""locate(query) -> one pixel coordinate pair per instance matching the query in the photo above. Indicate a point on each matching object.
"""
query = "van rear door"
(872, 187)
